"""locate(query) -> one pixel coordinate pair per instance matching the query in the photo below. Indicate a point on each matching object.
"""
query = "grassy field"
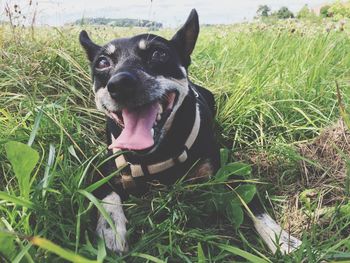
(275, 87)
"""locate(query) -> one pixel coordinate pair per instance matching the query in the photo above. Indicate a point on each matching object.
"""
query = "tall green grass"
(273, 88)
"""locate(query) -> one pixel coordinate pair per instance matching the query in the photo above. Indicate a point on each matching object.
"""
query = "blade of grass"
(148, 257)
(35, 127)
(56, 249)
(239, 252)
(16, 200)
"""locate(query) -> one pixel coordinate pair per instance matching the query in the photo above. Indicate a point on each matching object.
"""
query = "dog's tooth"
(159, 117)
(152, 132)
(160, 110)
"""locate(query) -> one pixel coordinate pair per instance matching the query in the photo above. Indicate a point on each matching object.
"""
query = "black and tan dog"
(161, 121)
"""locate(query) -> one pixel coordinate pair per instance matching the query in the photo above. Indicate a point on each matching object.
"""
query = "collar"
(139, 170)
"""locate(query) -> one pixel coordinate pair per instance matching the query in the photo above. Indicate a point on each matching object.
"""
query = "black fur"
(204, 149)
(130, 75)
(130, 62)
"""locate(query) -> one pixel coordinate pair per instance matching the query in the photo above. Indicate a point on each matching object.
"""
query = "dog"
(159, 124)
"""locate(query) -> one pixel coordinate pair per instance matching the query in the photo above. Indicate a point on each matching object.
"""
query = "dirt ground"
(322, 177)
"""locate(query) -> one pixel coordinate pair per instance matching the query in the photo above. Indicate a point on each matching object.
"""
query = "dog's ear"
(90, 47)
(185, 39)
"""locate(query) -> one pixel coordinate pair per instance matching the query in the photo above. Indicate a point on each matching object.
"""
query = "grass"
(274, 89)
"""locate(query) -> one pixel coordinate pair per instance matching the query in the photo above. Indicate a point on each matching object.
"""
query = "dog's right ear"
(185, 39)
(90, 47)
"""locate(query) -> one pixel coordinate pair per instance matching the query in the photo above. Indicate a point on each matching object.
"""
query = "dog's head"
(140, 82)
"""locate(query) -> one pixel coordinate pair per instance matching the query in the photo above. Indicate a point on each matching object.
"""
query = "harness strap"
(137, 170)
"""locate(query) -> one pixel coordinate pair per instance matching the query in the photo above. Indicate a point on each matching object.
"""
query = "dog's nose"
(122, 85)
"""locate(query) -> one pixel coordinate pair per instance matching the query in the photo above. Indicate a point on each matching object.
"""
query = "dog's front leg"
(115, 239)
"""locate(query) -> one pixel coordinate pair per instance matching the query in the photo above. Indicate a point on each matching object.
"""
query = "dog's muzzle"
(142, 169)
(122, 86)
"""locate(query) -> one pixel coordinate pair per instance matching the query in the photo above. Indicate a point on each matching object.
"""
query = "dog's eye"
(159, 56)
(102, 63)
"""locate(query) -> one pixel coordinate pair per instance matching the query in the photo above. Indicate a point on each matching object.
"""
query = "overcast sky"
(169, 12)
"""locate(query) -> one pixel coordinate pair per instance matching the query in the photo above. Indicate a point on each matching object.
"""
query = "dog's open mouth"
(142, 125)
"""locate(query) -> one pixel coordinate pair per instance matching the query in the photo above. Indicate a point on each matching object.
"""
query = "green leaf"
(240, 169)
(345, 209)
(23, 252)
(47, 175)
(239, 252)
(7, 247)
(16, 200)
(223, 156)
(148, 257)
(200, 254)
(23, 160)
(56, 249)
(217, 199)
(234, 214)
(304, 197)
(35, 127)
(104, 180)
(101, 252)
(246, 192)
(71, 150)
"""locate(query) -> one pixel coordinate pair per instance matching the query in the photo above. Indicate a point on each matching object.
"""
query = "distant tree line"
(120, 22)
(282, 13)
(338, 10)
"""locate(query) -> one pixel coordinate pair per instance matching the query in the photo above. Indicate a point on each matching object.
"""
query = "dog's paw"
(114, 240)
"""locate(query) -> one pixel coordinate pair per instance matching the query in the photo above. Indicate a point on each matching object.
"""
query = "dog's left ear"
(185, 39)
(90, 47)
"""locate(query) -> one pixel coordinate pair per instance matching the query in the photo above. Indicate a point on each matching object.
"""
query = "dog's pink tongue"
(138, 123)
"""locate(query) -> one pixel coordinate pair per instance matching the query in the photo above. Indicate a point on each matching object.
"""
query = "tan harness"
(136, 170)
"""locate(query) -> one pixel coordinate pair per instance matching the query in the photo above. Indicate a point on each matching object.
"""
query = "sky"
(170, 12)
